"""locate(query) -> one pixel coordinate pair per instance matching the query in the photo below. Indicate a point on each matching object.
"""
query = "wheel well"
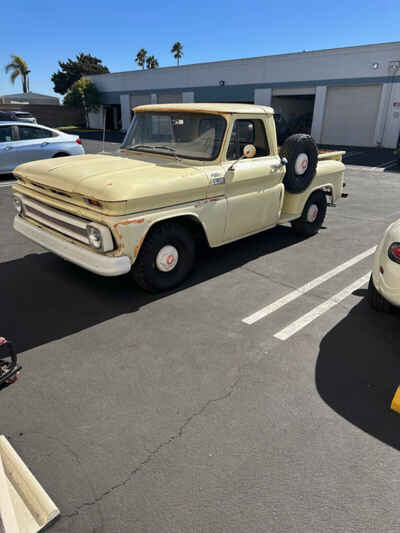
(189, 222)
(61, 154)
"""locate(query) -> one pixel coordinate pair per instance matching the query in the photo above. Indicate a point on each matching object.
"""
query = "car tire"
(301, 153)
(165, 258)
(376, 300)
(61, 154)
(313, 215)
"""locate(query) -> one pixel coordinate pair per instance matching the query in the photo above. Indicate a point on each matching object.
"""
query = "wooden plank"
(8, 520)
(27, 492)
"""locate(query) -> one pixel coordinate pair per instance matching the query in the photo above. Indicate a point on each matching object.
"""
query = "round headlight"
(94, 237)
(18, 204)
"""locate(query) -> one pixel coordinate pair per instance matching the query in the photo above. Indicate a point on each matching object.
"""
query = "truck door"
(34, 143)
(253, 187)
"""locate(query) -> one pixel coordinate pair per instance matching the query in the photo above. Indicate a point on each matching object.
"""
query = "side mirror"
(249, 151)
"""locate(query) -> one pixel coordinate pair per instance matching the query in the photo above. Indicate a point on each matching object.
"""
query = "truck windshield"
(187, 135)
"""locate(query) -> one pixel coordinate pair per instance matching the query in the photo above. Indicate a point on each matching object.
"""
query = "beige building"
(350, 96)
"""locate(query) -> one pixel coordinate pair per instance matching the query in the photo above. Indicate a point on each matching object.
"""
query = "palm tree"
(18, 67)
(177, 50)
(141, 57)
(151, 62)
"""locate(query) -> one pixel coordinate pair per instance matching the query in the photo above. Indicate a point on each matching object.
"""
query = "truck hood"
(150, 181)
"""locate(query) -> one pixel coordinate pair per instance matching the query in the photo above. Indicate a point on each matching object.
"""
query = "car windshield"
(187, 135)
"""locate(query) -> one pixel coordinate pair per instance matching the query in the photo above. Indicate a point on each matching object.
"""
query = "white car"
(384, 285)
(24, 142)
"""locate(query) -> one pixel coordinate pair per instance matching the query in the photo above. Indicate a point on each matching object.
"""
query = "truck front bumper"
(97, 263)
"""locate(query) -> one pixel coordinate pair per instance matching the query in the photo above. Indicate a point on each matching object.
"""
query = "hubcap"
(167, 258)
(312, 213)
(301, 164)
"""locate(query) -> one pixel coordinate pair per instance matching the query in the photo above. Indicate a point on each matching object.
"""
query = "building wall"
(50, 115)
(259, 79)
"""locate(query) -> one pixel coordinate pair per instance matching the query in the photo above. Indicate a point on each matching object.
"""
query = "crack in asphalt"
(153, 453)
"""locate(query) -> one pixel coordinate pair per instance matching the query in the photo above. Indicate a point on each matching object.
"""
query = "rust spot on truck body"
(126, 223)
(137, 248)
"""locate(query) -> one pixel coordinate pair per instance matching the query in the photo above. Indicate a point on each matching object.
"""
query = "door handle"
(8, 148)
(44, 144)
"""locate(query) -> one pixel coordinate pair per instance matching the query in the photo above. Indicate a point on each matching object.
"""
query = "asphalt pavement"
(172, 413)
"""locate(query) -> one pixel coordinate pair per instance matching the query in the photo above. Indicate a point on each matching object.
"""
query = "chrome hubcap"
(301, 164)
(167, 258)
(312, 213)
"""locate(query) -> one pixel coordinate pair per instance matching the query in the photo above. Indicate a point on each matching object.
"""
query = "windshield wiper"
(152, 147)
(165, 147)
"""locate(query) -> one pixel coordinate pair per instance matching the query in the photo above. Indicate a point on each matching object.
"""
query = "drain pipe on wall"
(394, 67)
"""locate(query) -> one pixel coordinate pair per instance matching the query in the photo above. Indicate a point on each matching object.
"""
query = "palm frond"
(14, 76)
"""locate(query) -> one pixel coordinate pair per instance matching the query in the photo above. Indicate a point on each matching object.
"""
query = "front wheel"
(165, 259)
(313, 215)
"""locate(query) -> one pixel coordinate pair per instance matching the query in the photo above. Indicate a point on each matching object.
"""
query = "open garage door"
(350, 115)
(294, 114)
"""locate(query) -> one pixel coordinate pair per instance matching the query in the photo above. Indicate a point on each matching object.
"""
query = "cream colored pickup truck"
(183, 172)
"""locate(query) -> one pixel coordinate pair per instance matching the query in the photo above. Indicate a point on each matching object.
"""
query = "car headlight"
(19, 206)
(95, 238)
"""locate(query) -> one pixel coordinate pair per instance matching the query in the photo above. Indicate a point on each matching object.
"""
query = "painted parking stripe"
(7, 183)
(306, 319)
(271, 308)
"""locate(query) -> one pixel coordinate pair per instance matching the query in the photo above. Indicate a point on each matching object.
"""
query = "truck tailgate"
(333, 156)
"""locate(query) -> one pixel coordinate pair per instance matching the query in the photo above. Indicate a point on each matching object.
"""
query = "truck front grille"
(57, 220)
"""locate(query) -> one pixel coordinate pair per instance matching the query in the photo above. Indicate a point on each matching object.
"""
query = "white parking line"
(388, 164)
(7, 183)
(271, 308)
(306, 319)
(351, 154)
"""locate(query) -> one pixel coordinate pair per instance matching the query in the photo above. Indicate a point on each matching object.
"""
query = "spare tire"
(302, 154)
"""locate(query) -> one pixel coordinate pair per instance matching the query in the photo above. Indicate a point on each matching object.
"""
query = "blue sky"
(47, 31)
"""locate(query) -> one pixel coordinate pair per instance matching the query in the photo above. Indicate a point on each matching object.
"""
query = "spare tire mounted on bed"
(301, 153)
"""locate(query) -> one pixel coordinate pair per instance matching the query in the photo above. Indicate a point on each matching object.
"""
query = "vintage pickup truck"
(183, 172)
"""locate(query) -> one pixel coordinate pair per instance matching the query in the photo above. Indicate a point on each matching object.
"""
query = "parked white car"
(384, 285)
(23, 142)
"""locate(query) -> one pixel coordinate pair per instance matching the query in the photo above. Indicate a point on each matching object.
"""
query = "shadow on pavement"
(365, 157)
(44, 298)
(358, 371)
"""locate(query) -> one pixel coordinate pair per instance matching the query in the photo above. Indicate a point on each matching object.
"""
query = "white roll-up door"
(350, 115)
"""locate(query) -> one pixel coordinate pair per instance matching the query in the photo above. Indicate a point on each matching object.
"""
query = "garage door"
(140, 99)
(350, 115)
(170, 98)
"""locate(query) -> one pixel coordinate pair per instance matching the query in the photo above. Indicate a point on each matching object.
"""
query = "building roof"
(250, 109)
(364, 48)
(29, 97)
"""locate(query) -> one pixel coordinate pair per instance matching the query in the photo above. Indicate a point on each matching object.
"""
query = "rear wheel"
(376, 300)
(165, 258)
(61, 154)
(313, 215)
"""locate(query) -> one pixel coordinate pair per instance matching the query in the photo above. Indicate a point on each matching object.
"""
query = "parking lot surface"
(254, 398)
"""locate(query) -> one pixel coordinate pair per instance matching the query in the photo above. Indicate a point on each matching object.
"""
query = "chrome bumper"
(99, 264)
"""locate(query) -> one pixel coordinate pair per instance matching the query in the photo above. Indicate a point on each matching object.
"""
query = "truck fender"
(190, 220)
